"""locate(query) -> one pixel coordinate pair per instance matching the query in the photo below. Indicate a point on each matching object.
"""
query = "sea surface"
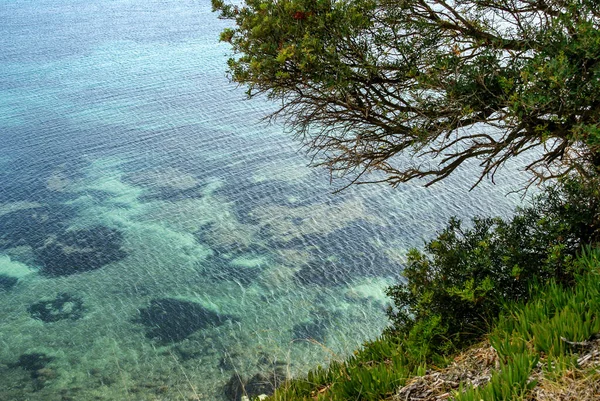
(158, 240)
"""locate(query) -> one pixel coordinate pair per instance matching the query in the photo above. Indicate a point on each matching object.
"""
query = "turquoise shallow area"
(136, 186)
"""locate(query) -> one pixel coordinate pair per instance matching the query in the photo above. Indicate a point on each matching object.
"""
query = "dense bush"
(457, 286)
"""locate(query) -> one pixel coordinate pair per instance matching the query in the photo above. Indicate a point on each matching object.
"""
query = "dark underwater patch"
(28, 184)
(28, 177)
(247, 195)
(64, 306)
(320, 318)
(275, 242)
(73, 252)
(32, 362)
(260, 383)
(35, 364)
(60, 252)
(346, 268)
(33, 226)
(163, 181)
(343, 255)
(272, 373)
(7, 282)
(171, 194)
(170, 320)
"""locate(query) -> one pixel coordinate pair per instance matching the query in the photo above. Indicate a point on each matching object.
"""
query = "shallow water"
(157, 238)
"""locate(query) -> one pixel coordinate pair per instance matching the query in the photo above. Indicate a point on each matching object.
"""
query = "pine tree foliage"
(413, 89)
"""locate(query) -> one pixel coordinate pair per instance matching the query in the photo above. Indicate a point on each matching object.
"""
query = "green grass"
(372, 373)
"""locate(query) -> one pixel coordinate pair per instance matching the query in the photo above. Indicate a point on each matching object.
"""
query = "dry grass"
(576, 384)
(474, 367)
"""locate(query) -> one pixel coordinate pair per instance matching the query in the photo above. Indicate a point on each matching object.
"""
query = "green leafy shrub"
(456, 288)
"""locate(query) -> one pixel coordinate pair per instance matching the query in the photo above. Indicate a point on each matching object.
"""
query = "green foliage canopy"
(457, 288)
(438, 81)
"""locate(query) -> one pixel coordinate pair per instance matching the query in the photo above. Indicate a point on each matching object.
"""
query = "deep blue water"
(157, 238)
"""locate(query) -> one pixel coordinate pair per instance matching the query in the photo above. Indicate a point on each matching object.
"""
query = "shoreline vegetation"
(500, 310)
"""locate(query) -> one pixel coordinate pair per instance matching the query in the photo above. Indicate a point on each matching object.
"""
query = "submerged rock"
(78, 251)
(261, 383)
(343, 255)
(7, 282)
(32, 362)
(172, 320)
(35, 364)
(247, 195)
(59, 251)
(64, 306)
(32, 226)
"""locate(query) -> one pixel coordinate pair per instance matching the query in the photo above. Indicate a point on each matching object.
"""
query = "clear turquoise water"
(133, 172)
